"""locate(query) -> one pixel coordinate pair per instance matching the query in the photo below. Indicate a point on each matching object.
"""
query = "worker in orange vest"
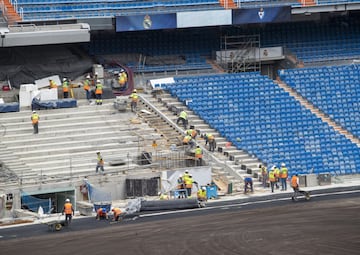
(68, 211)
(65, 88)
(101, 214)
(198, 155)
(272, 178)
(117, 213)
(283, 176)
(295, 185)
(100, 162)
(35, 121)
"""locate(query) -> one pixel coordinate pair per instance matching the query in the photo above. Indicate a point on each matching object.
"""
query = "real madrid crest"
(147, 22)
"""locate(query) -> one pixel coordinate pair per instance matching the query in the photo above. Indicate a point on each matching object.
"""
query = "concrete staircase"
(68, 140)
(228, 161)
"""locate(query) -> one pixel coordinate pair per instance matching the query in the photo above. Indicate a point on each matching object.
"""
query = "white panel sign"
(204, 18)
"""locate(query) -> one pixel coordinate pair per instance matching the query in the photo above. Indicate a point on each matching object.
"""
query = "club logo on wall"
(147, 22)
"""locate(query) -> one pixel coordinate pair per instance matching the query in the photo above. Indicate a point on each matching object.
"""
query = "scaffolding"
(240, 53)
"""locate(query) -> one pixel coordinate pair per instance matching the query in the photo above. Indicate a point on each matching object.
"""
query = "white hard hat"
(203, 188)
(282, 164)
(180, 175)
(67, 200)
(64, 79)
(96, 73)
(34, 111)
(134, 90)
(88, 76)
(186, 171)
(98, 81)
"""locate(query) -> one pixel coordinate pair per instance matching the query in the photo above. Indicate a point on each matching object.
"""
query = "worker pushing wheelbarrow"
(297, 191)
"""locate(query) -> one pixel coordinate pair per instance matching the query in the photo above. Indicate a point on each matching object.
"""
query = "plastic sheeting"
(23, 65)
(33, 203)
(53, 104)
(9, 107)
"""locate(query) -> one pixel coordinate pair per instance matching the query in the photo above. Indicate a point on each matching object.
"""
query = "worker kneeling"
(248, 186)
(201, 194)
(117, 213)
(101, 214)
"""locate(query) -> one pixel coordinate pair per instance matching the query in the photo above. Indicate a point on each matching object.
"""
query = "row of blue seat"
(308, 143)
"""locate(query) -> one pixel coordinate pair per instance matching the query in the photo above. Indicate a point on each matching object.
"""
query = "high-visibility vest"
(100, 160)
(283, 172)
(183, 115)
(201, 194)
(294, 183)
(68, 208)
(272, 176)
(99, 89)
(263, 171)
(134, 97)
(65, 86)
(86, 84)
(277, 172)
(35, 118)
(116, 211)
(198, 153)
(53, 84)
(188, 182)
(187, 139)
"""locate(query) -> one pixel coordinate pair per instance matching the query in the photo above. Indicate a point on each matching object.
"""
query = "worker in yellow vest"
(65, 88)
(201, 194)
(183, 117)
(188, 181)
(134, 100)
(87, 87)
(100, 162)
(198, 156)
(98, 92)
(52, 84)
(35, 121)
(277, 176)
(272, 178)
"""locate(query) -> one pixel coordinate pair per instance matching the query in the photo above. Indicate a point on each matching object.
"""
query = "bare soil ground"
(324, 227)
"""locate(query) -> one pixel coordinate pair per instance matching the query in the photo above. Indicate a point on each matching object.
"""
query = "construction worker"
(98, 92)
(187, 140)
(264, 175)
(192, 132)
(248, 185)
(183, 117)
(283, 176)
(101, 214)
(65, 88)
(277, 176)
(35, 121)
(68, 211)
(117, 212)
(134, 100)
(100, 162)
(189, 184)
(272, 178)
(87, 87)
(212, 143)
(295, 185)
(201, 194)
(181, 186)
(198, 155)
(52, 84)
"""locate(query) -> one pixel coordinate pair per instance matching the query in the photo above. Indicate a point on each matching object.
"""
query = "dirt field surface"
(321, 227)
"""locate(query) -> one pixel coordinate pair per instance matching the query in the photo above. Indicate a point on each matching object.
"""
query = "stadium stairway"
(68, 140)
(318, 112)
(235, 164)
